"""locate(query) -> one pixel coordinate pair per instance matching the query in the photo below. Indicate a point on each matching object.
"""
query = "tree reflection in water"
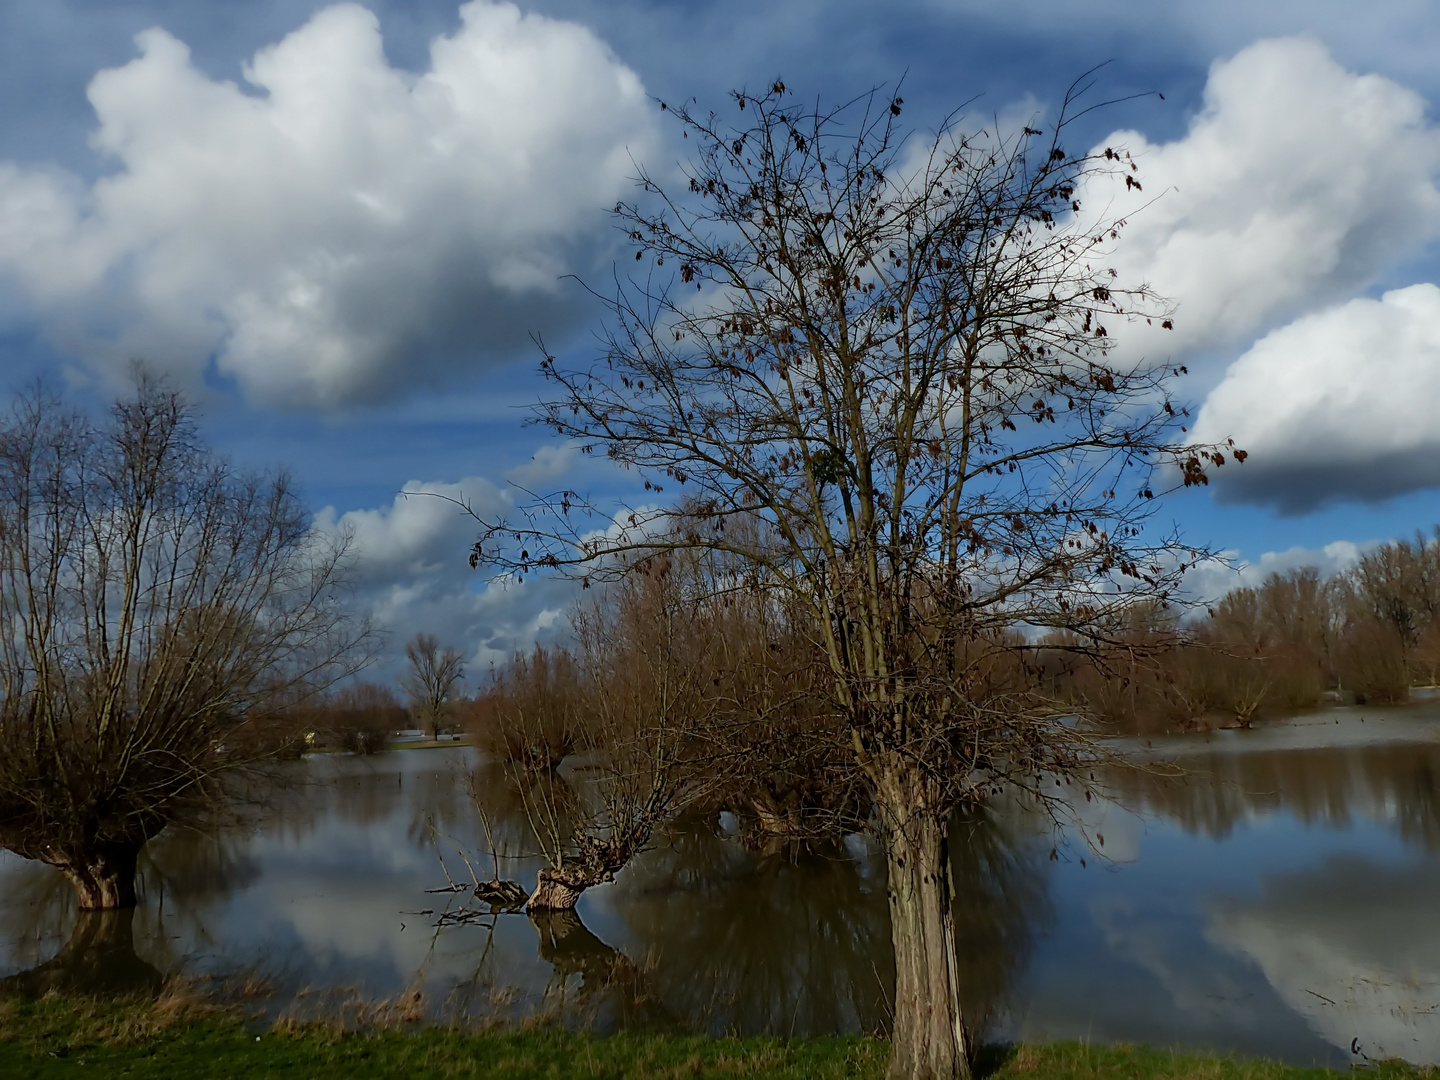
(751, 944)
(710, 935)
(502, 797)
(440, 801)
(99, 959)
(194, 867)
(1001, 904)
(1321, 787)
(746, 943)
(591, 984)
(37, 913)
(180, 872)
(609, 989)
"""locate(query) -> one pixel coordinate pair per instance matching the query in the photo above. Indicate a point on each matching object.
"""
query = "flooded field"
(1278, 899)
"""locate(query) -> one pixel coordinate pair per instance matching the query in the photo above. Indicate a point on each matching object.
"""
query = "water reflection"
(1002, 906)
(192, 866)
(1325, 788)
(599, 982)
(98, 959)
(1350, 946)
(1274, 902)
(746, 943)
(1252, 907)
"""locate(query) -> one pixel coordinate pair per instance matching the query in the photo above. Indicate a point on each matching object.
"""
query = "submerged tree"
(643, 696)
(160, 612)
(901, 362)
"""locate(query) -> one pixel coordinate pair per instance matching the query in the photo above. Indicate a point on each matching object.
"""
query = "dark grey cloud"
(1338, 405)
(1295, 488)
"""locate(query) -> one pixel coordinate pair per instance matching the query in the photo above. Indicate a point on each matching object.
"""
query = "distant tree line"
(1367, 634)
(359, 719)
(691, 692)
(363, 717)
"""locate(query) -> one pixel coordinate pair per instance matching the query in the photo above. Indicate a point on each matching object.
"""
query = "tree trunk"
(102, 875)
(558, 889)
(928, 1037)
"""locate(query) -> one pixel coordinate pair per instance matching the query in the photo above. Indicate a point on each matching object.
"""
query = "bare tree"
(529, 716)
(434, 675)
(899, 357)
(359, 719)
(1392, 606)
(643, 707)
(159, 611)
(1275, 649)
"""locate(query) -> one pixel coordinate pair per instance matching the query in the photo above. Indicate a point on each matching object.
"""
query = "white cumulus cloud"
(549, 463)
(1297, 184)
(412, 575)
(1206, 582)
(1337, 404)
(336, 227)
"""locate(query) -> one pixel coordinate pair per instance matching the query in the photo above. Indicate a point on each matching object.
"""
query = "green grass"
(1077, 1061)
(177, 1037)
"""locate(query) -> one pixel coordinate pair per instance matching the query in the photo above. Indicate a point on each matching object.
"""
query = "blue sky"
(339, 225)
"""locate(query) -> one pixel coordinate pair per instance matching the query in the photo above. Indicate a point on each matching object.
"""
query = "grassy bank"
(179, 1038)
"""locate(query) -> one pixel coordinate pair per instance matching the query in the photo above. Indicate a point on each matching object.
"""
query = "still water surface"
(1281, 900)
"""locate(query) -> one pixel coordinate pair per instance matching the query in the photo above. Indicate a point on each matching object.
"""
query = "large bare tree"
(432, 680)
(158, 613)
(897, 353)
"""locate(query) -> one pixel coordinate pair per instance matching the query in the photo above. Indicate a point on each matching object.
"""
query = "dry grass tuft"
(406, 1009)
(1026, 1059)
(57, 1021)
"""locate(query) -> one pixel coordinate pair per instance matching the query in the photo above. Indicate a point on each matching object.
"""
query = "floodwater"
(1279, 899)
